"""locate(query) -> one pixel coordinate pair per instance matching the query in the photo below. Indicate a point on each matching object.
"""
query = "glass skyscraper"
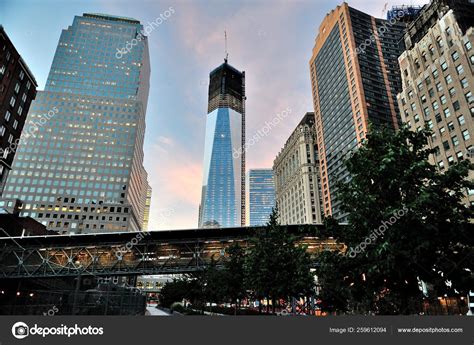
(79, 166)
(260, 196)
(223, 187)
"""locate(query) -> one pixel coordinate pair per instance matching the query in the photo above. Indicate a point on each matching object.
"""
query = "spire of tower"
(226, 53)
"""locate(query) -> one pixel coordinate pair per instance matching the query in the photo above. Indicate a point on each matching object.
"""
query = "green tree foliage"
(275, 267)
(407, 223)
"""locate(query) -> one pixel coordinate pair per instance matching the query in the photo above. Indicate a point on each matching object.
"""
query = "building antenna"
(226, 53)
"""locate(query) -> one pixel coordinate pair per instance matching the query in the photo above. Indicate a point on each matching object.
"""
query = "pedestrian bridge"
(132, 253)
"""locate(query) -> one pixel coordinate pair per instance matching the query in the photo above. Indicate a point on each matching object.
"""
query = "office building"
(355, 80)
(17, 90)
(437, 75)
(296, 171)
(260, 196)
(223, 186)
(80, 168)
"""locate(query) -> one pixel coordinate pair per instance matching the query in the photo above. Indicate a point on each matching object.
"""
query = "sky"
(271, 40)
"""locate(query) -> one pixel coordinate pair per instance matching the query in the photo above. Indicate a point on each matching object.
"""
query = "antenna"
(226, 53)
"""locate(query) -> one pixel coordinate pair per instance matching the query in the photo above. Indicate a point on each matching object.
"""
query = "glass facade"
(261, 196)
(79, 165)
(223, 188)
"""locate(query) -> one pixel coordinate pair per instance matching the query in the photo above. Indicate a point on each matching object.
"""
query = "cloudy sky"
(271, 40)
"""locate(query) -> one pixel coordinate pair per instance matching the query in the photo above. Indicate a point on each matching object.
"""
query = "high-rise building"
(260, 196)
(437, 74)
(81, 169)
(296, 173)
(223, 186)
(355, 80)
(17, 90)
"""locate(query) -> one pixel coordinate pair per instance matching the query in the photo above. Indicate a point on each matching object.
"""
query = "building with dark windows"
(17, 90)
(223, 186)
(260, 196)
(80, 167)
(438, 79)
(355, 80)
(296, 173)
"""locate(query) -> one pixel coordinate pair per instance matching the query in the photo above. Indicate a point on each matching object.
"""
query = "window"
(417, 118)
(423, 99)
(456, 105)
(7, 116)
(2, 70)
(441, 165)
(12, 101)
(455, 56)
(439, 87)
(460, 69)
(435, 74)
(465, 135)
(17, 88)
(2, 131)
(431, 49)
(22, 75)
(410, 94)
(23, 98)
(452, 91)
(461, 120)
(435, 105)
(28, 85)
(438, 118)
(413, 106)
(443, 99)
(20, 110)
(464, 83)
(451, 126)
(439, 40)
(449, 79)
(455, 141)
(442, 130)
(15, 124)
(447, 112)
(431, 93)
(436, 151)
(459, 155)
(468, 45)
(444, 66)
(430, 124)
(469, 97)
(420, 86)
(450, 160)
(446, 145)
(10, 138)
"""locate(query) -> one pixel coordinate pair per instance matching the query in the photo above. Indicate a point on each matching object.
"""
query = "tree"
(407, 224)
(174, 291)
(276, 268)
(234, 275)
